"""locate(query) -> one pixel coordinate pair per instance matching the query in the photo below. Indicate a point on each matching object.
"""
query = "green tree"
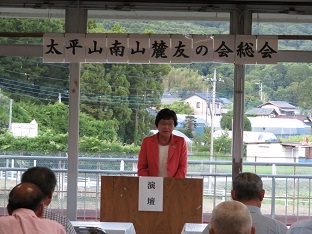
(180, 107)
(182, 80)
(188, 125)
(227, 120)
(4, 113)
(27, 77)
(304, 99)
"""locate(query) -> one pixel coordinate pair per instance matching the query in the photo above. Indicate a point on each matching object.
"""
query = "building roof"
(151, 111)
(276, 123)
(169, 98)
(225, 101)
(279, 104)
(261, 111)
(205, 96)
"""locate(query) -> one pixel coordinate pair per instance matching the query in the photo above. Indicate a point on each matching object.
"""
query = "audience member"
(231, 217)
(25, 208)
(163, 154)
(45, 178)
(248, 189)
(301, 227)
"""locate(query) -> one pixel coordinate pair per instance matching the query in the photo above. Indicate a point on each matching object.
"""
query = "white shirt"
(264, 224)
(163, 157)
(301, 227)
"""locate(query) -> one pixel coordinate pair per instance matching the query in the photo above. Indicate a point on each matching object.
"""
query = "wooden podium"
(183, 203)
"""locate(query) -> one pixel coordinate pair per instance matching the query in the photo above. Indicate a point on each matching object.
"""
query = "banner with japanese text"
(159, 48)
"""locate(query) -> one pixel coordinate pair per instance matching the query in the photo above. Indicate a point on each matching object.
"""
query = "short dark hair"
(166, 114)
(28, 200)
(247, 186)
(43, 177)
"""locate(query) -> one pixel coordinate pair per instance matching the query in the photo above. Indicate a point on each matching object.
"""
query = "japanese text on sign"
(159, 48)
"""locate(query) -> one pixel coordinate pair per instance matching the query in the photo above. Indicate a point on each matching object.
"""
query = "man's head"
(28, 196)
(248, 188)
(231, 217)
(44, 178)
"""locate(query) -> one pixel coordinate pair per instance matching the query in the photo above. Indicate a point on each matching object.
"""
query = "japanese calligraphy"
(142, 48)
(142, 51)
(202, 49)
(73, 45)
(180, 51)
(95, 49)
(223, 50)
(52, 48)
(151, 201)
(245, 50)
(117, 49)
(151, 185)
(159, 49)
(266, 51)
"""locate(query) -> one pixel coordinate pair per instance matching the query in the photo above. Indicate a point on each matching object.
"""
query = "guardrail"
(288, 185)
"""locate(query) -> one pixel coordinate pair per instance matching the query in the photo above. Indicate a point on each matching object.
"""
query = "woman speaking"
(163, 154)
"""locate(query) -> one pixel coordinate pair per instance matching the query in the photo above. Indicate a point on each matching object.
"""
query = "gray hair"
(247, 186)
(231, 217)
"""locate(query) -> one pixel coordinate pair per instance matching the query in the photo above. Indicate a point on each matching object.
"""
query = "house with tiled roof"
(281, 107)
(262, 112)
(169, 98)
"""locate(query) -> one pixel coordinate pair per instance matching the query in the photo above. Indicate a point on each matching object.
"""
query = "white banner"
(53, 48)
(75, 48)
(224, 48)
(159, 48)
(267, 49)
(117, 48)
(139, 48)
(202, 48)
(181, 48)
(246, 49)
(96, 51)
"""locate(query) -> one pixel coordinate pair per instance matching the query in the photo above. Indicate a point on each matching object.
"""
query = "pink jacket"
(148, 163)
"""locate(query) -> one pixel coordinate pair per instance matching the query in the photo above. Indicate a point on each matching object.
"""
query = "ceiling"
(277, 10)
(175, 5)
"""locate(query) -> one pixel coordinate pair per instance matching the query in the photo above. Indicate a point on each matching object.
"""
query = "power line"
(51, 94)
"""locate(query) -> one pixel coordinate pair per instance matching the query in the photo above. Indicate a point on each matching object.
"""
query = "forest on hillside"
(114, 97)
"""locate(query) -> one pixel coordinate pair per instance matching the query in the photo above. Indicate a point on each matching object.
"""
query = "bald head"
(230, 217)
(25, 195)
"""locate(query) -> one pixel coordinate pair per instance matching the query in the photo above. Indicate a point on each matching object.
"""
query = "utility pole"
(260, 90)
(214, 81)
(10, 115)
(213, 109)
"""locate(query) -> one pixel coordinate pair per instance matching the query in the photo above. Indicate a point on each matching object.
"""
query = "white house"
(24, 129)
(201, 103)
(277, 152)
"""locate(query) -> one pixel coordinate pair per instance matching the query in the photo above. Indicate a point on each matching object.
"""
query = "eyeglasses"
(169, 124)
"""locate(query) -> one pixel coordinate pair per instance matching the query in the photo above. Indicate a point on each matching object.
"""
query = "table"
(109, 227)
(195, 228)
